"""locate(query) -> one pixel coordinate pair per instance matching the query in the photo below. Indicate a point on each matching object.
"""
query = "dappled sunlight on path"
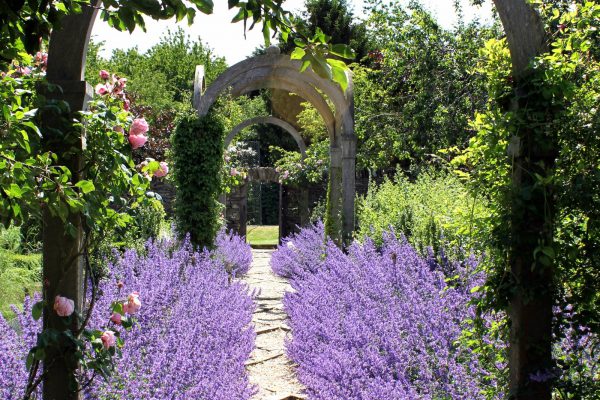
(269, 368)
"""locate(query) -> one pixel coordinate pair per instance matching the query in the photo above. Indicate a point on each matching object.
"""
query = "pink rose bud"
(134, 303)
(233, 172)
(120, 284)
(104, 74)
(126, 309)
(63, 306)
(138, 127)
(126, 104)
(108, 339)
(116, 318)
(137, 141)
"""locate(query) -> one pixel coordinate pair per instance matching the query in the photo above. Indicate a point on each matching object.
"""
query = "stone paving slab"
(269, 367)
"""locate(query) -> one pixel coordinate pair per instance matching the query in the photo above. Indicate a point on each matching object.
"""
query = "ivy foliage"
(198, 162)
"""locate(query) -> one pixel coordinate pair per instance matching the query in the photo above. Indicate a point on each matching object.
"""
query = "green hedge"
(198, 161)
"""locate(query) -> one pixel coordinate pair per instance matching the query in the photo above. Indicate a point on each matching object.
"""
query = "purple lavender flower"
(376, 323)
(193, 337)
(234, 252)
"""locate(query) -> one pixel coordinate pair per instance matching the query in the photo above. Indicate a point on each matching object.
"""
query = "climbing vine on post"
(198, 163)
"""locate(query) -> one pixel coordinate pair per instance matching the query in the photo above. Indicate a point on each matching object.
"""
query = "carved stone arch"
(250, 81)
(279, 71)
(268, 120)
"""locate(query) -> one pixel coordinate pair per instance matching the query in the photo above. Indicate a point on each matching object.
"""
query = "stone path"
(269, 368)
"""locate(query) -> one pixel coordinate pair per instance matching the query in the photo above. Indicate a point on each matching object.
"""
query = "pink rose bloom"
(133, 303)
(233, 172)
(116, 318)
(104, 74)
(108, 339)
(137, 141)
(162, 171)
(24, 70)
(63, 306)
(101, 89)
(138, 127)
(126, 105)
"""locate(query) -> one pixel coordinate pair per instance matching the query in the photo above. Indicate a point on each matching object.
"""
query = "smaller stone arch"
(268, 120)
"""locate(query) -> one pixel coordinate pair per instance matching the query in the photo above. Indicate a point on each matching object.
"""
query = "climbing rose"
(102, 89)
(138, 127)
(63, 306)
(104, 74)
(108, 339)
(133, 304)
(137, 141)
(116, 318)
(162, 171)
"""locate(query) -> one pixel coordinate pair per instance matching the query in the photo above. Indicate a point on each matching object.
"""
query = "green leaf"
(37, 309)
(298, 53)
(343, 50)
(30, 358)
(241, 15)
(85, 186)
(232, 3)
(340, 77)
(204, 6)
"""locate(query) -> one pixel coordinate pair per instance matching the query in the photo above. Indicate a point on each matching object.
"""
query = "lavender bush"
(234, 252)
(380, 324)
(193, 338)
(301, 254)
(18, 337)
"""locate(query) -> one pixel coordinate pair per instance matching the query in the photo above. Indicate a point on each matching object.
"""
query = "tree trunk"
(532, 210)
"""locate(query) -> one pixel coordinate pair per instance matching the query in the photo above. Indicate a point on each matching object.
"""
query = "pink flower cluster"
(113, 86)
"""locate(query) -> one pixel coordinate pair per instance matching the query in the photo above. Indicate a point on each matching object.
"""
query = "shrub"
(193, 338)
(383, 324)
(20, 274)
(198, 160)
(194, 333)
(302, 253)
(434, 211)
(233, 251)
(14, 346)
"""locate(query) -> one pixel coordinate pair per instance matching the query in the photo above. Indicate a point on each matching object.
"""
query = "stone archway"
(236, 201)
(276, 71)
(268, 120)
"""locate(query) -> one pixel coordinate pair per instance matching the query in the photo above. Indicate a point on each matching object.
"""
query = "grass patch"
(262, 234)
